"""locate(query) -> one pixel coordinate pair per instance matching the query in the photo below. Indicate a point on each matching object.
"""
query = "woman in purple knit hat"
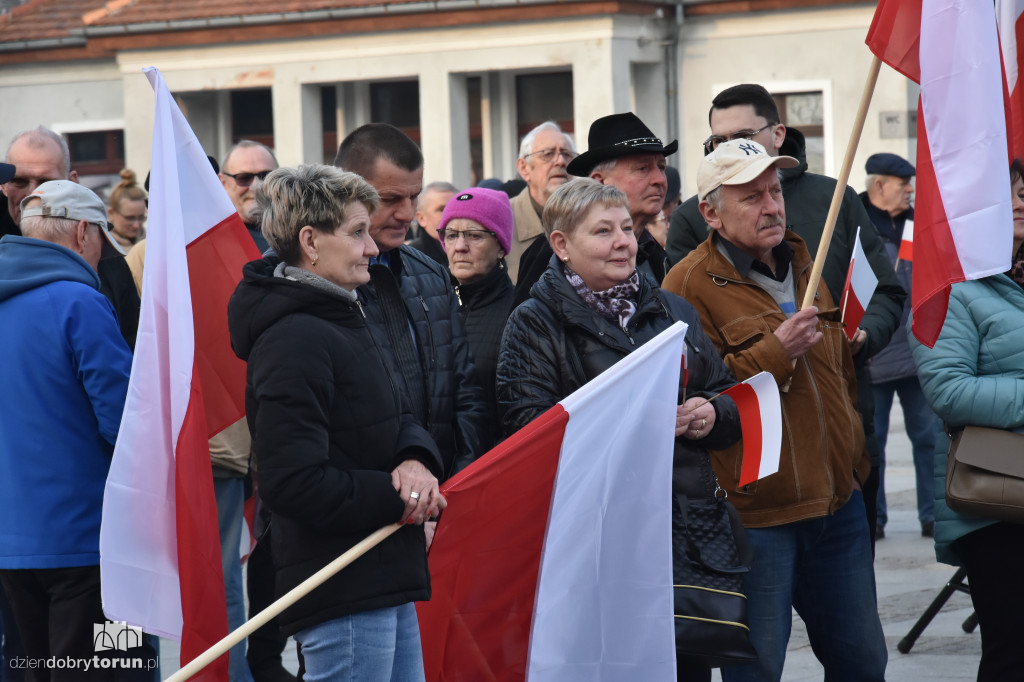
(476, 232)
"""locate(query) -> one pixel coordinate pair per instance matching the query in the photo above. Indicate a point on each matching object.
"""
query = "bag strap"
(744, 552)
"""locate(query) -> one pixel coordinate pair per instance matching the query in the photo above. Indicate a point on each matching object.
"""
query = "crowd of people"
(383, 360)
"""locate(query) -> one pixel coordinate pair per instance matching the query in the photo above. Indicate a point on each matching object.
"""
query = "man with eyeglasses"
(242, 171)
(40, 155)
(544, 154)
(748, 111)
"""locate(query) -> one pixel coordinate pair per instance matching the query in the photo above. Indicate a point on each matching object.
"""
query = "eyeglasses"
(133, 218)
(472, 237)
(548, 155)
(246, 179)
(711, 144)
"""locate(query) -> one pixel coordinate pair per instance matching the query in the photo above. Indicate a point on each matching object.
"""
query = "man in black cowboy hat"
(622, 152)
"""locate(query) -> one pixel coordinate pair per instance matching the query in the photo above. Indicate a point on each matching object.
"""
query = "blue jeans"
(230, 494)
(823, 568)
(372, 646)
(922, 424)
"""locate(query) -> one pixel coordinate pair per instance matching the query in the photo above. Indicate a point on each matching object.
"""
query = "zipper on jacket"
(430, 333)
(457, 296)
(359, 304)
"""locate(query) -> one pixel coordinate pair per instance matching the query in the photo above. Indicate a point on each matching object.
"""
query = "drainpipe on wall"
(672, 76)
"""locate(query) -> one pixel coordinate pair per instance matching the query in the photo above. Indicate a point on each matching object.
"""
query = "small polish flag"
(860, 287)
(907, 243)
(761, 421)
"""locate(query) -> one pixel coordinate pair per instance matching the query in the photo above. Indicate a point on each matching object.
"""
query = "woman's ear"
(307, 243)
(559, 244)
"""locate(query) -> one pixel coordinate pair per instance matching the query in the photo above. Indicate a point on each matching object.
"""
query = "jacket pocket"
(744, 332)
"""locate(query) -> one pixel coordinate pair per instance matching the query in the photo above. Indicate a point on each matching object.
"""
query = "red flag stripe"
(199, 560)
(214, 260)
(746, 400)
(463, 639)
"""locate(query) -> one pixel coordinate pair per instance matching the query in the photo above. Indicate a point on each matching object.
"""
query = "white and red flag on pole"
(553, 560)
(907, 242)
(963, 220)
(160, 555)
(859, 288)
(1010, 15)
(761, 422)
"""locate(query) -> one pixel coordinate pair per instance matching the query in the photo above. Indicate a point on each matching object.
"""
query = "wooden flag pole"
(841, 182)
(300, 591)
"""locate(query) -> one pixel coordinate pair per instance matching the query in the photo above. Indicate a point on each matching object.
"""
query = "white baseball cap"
(67, 199)
(736, 162)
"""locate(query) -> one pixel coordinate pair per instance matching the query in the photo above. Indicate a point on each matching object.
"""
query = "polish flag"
(553, 560)
(951, 47)
(160, 555)
(761, 421)
(859, 288)
(1011, 40)
(907, 242)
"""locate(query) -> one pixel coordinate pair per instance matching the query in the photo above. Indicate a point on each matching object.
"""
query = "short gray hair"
(312, 194)
(36, 137)
(605, 166)
(568, 204)
(870, 180)
(439, 186)
(526, 146)
(243, 144)
(48, 228)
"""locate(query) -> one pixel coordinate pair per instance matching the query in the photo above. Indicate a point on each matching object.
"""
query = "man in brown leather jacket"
(806, 523)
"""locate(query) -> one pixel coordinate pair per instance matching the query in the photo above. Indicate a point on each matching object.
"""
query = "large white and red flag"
(963, 223)
(553, 560)
(1010, 15)
(760, 407)
(160, 555)
(860, 286)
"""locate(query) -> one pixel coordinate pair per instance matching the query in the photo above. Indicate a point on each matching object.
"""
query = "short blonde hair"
(567, 205)
(312, 194)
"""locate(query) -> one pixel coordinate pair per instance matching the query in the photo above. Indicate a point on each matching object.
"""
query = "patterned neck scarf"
(1016, 272)
(617, 304)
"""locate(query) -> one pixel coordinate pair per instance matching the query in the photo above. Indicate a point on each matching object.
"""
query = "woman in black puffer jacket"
(591, 308)
(476, 233)
(338, 455)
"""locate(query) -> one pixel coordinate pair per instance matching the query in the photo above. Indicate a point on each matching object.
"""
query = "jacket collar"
(485, 289)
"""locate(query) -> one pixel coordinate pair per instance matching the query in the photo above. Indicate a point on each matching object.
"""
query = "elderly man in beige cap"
(806, 523)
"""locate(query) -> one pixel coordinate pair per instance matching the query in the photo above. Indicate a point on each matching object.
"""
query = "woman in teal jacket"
(975, 376)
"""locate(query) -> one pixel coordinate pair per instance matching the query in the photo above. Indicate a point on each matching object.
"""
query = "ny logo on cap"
(749, 149)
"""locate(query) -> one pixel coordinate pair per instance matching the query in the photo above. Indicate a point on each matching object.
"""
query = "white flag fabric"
(159, 545)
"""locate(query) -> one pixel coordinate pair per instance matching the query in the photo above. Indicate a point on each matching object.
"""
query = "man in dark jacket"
(749, 111)
(411, 303)
(429, 209)
(887, 201)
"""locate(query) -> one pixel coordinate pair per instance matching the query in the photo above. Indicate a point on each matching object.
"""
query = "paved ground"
(908, 580)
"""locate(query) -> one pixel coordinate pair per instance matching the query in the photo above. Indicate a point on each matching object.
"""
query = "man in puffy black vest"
(410, 301)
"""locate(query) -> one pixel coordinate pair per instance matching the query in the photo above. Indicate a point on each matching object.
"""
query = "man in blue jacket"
(65, 380)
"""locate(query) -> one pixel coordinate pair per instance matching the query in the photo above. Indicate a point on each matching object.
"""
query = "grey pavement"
(908, 579)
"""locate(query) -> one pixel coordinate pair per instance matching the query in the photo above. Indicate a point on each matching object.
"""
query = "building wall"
(600, 52)
(68, 97)
(792, 51)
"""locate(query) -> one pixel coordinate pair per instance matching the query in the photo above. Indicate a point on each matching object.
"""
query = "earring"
(565, 259)
(315, 261)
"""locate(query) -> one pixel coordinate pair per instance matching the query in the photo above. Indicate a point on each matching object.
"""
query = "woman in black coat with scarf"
(591, 308)
(338, 454)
